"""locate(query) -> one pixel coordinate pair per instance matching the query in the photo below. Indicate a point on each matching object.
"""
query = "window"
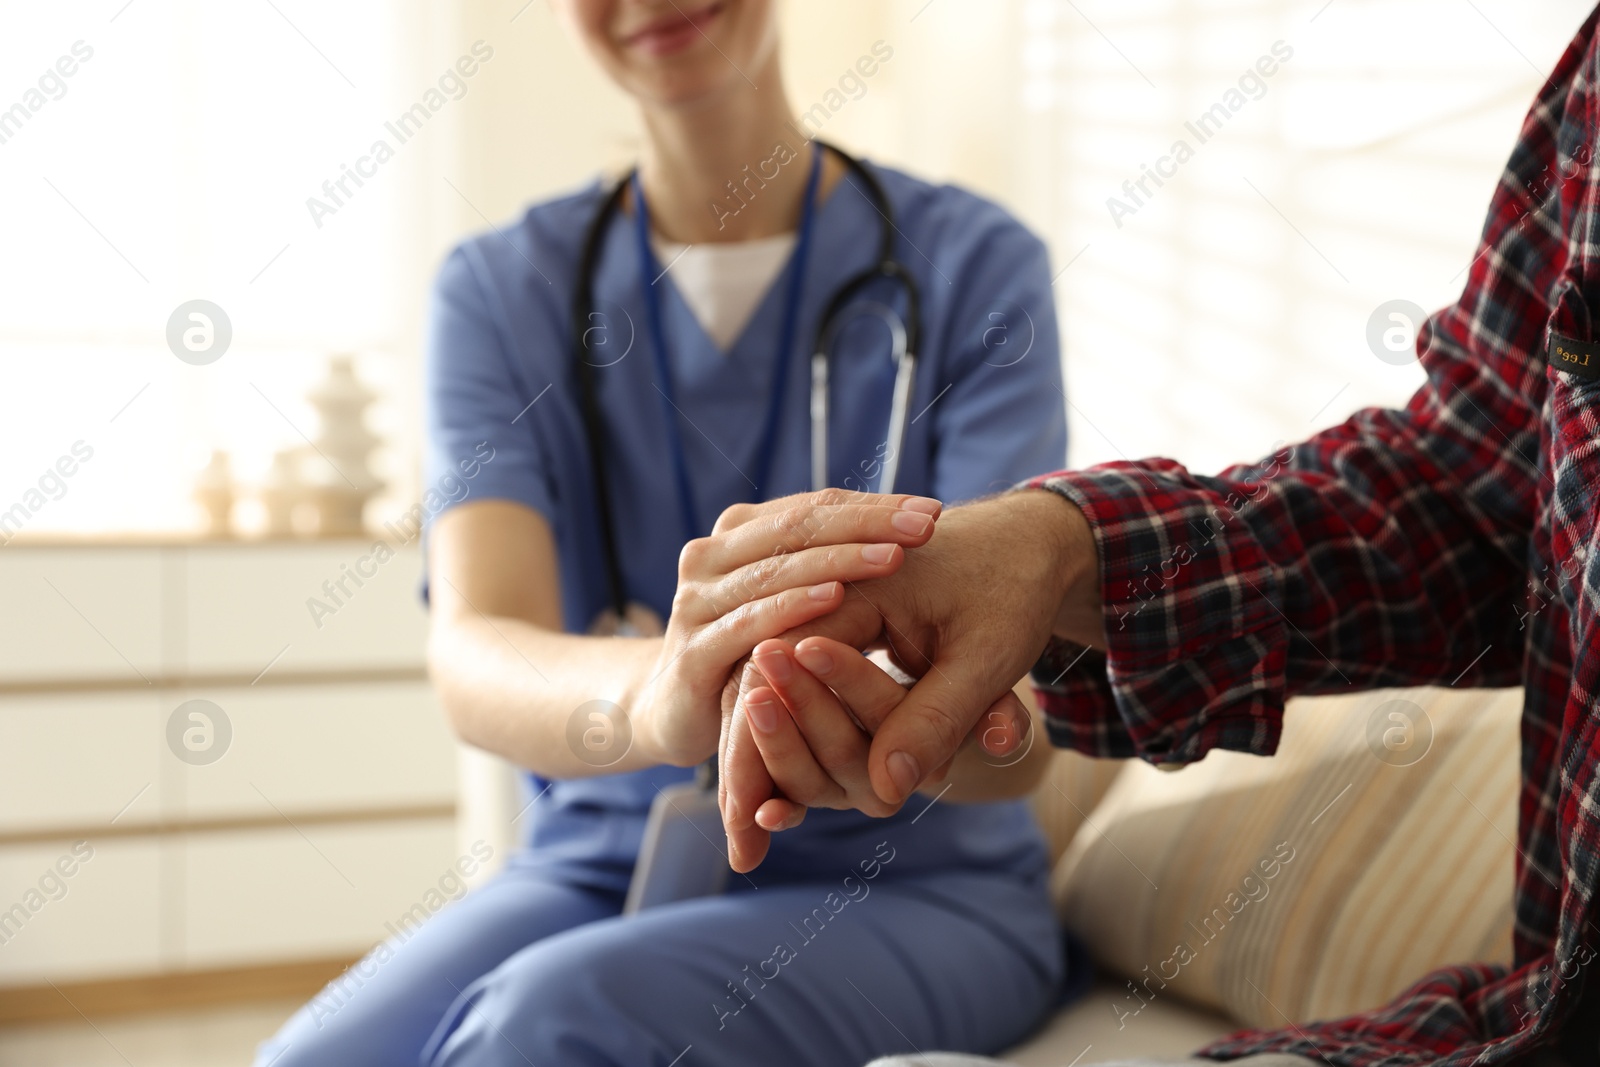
(1222, 304)
(174, 163)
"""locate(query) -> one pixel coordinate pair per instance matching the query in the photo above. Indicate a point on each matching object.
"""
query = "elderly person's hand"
(809, 731)
(968, 614)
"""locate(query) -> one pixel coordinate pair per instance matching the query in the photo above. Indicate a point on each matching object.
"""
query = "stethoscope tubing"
(905, 362)
(905, 336)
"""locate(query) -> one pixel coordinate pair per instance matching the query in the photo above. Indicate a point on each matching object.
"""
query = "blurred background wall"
(178, 163)
(1207, 315)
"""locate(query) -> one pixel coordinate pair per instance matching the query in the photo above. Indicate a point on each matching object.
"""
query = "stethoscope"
(905, 335)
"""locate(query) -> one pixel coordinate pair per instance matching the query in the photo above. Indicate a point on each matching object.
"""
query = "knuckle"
(767, 571)
(739, 621)
(832, 496)
(694, 556)
(684, 599)
(778, 606)
(943, 726)
(733, 515)
(791, 520)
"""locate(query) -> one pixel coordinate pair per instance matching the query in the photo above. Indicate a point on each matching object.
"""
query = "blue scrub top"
(987, 410)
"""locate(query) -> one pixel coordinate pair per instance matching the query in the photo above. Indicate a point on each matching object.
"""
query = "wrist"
(648, 750)
(1074, 566)
(637, 689)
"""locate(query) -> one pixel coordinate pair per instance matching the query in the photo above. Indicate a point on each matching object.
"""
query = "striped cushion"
(1072, 787)
(1315, 884)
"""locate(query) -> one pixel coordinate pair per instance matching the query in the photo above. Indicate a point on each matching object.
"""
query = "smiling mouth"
(675, 32)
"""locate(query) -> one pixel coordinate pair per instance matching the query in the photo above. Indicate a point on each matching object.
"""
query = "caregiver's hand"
(763, 571)
(970, 612)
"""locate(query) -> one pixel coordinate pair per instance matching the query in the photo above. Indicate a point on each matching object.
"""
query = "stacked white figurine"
(283, 490)
(339, 481)
(213, 490)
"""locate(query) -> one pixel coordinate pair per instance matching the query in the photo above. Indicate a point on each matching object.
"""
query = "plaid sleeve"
(1572, 349)
(1389, 550)
(1560, 817)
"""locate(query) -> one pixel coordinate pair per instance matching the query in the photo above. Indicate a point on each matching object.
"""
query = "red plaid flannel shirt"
(1452, 541)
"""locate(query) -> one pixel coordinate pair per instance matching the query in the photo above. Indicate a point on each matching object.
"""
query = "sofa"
(1239, 892)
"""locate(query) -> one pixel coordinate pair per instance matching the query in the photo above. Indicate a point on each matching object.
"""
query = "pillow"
(1070, 789)
(1375, 847)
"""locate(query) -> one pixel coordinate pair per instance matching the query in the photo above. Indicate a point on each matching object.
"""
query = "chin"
(684, 65)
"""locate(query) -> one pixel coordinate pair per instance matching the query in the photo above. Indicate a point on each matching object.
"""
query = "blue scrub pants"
(536, 968)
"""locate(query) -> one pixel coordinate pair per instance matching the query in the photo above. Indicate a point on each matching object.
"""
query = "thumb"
(1003, 726)
(925, 730)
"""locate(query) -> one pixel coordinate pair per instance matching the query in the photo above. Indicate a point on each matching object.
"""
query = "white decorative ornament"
(213, 491)
(282, 491)
(337, 479)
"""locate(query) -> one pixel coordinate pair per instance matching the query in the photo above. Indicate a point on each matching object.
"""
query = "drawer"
(298, 748)
(302, 607)
(80, 613)
(101, 921)
(147, 906)
(83, 759)
(276, 895)
(79, 759)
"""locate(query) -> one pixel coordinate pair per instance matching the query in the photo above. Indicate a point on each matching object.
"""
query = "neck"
(692, 154)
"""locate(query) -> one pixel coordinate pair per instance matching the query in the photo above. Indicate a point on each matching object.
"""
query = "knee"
(550, 1003)
(305, 1040)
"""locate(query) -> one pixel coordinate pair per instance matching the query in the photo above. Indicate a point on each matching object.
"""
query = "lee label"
(1575, 357)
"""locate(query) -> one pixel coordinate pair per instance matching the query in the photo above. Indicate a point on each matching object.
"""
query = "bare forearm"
(564, 705)
(520, 691)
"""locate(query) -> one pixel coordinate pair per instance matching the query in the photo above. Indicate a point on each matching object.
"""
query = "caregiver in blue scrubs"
(857, 937)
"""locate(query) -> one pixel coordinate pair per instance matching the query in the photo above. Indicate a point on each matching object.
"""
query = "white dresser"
(329, 813)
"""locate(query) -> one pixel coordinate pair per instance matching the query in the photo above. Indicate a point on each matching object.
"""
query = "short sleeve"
(1003, 417)
(481, 439)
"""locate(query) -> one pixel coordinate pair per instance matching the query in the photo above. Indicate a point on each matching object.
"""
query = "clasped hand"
(762, 572)
(965, 608)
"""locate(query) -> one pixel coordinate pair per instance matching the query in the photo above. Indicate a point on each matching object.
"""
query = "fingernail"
(996, 740)
(923, 504)
(763, 715)
(878, 554)
(910, 522)
(825, 591)
(816, 661)
(904, 773)
(776, 666)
